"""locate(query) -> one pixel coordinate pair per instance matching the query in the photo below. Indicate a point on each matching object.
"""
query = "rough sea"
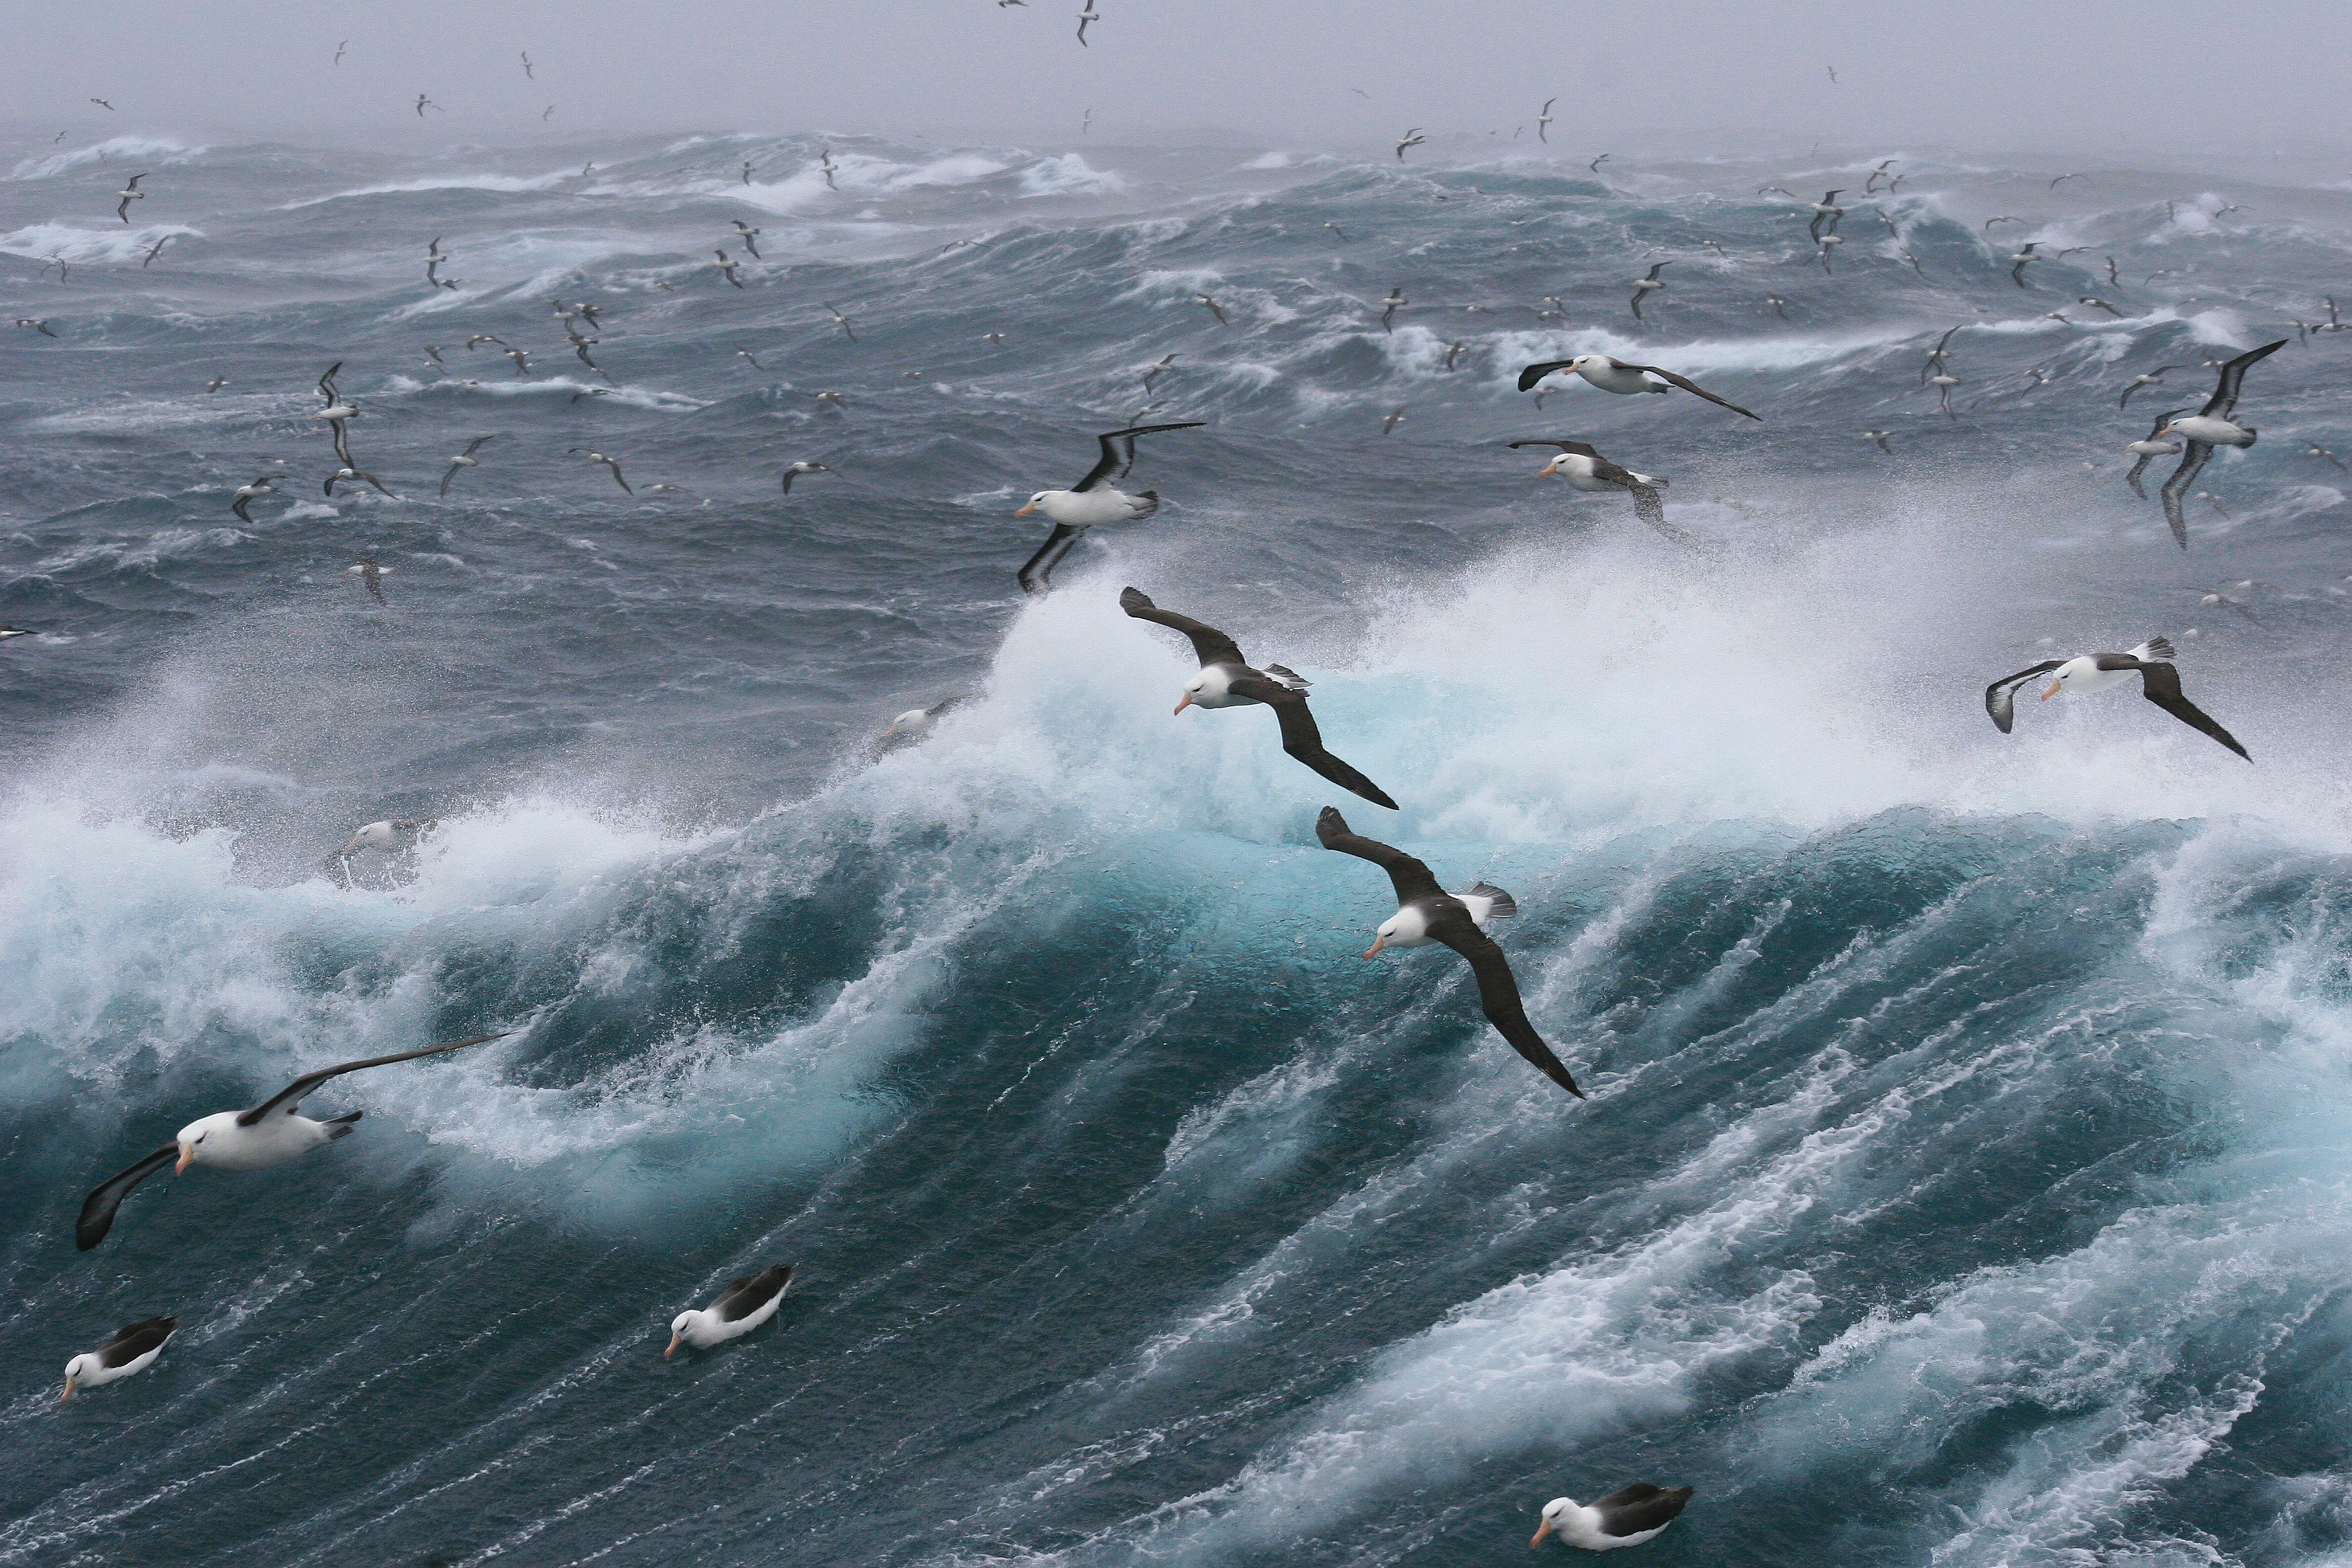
(1964, 1179)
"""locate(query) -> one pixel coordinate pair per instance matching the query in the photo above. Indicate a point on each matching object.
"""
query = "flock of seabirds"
(275, 1131)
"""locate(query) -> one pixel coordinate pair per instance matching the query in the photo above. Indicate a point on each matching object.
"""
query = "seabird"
(2313, 448)
(2005, 217)
(2023, 257)
(465, 459)
(726, 269)
(1779, 306)
(826, 166)
(745, 354)
(596, 457)
(339, 52)
(2148, 378)
(2098, 304)
(1092, 501)
(747, 170)
(390, 837)
(749, 236)
(1395, 418)
(1543, 120)
(526, 71)
(834, 312)
(1155, 371)
(245, 494)
(2212, 598)
(1595, 165)
(1453, 351)
(153, 251)
(348, 474)
(1427, 912)
(1084, 16)
(422, 103)
(2149, 447)
(1825, 211)
(1390, 306)
(251, 1140)
(1411, 138)
(743, 1306)
(2208, 427)
(103, 104)
(2160, 683)
(1829, 244)
(1623, 1518)
(31, 324)
(1877, 173)
(1342, 233)
(1213, 307)
(1228, 681)
(478, 339)
(371, 575)
(795, 470)
(1586, 469)
(1643, 285)
(1936, 355)
(521, 360)
(336, 411)
(8, 632)
(1943, 380)
(1621, 376)
(1880, 436)
(217, 383)
(132, 1349)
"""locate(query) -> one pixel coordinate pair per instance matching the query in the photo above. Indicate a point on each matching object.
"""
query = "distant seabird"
(1155, 371)
(795, 470)
(1881, 438)
(1390, 306)
(747, 170)
(1426, 912)
(103, 104)
(478, 339)
(153, 251)
(1825, 212)
(749, 236)
(521, 360)
(1092, 502)
(1213, 307)
(526, 71)
(1543, 120)
(32, 324)
(829, 168)
(841, 319)
(2208, 427)
(424, 103)
(1779, 306)
(1586, 469)
(1936, 355)
(1622, 376)
(339, 52)
(1395, 418)
(1342, 233)
(2160, 683)
(1085, 16)
(270, 1134)
(1943, 380)
(743, 1306)
(2023, 257)
(132, 1349)
(465, 459)
(216, 384)
(348, 475)
(244, 495)
(8, 632)
(1595, 165)
(726, 269)
(371, 574)
(2313, 448)
(336, 413)
(1412, 138)
(2005, 217)
(2098, 304)
(596, 457)
(1643, 285)
(1828, 249)
(2149, 447)
(1453, 351)
(2148, 378)
(1228, 681)
(1623, 1518)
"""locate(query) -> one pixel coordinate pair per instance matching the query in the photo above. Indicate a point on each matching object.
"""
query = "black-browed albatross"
(1427, 912)
(1586, 469)
(1092, 502)
(2160, 683)
(1622, 377)
(744, 1305)
(2208, 427)
(2149, 447)
(270, 1134)
(1626, 1517)
(134, 1347)
(1229, 681)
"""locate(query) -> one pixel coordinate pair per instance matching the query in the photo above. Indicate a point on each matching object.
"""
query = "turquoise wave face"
(1961, 1141)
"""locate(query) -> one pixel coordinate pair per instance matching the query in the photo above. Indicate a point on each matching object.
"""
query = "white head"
(1554, 1513)
(1593, 361)
(2066, 673)
(1553, 470)
(1035, 502)
(1406, 928)
(678, 1327)
(81, 1366)
(198, 1133)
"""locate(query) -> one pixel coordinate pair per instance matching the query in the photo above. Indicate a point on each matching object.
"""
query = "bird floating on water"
(133, 1348)
(1624, 1518)
(743, 1306)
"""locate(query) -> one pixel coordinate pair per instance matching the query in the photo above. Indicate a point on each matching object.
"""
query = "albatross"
(1092, 502)
(465, 459)
(270, 1134)
(1619, 376)
(2208, 427)
(134, 1347)
(1228, 681)
(1427, 912)
(1586, 469)
(2149, 447)
(1643, 285)
(1626, 1517)
(743, 1306)
(336, 413)
(128, 193)
(2160, 683)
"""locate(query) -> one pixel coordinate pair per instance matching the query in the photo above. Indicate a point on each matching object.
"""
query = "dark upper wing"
(1691, 386)
(1411, 877)
(1303, 740)
(96, 1216)
(1651, 510)
(1118, 451)
(1037, 574)
(2234, 375)
(1499, 992)
(2000, 697)
(2160, 684)
(343, 442)
(135, 1340)
(2162, 420)
(746, 1296)
(291, 1095)
(1533, 373)
(1212, 646)
(327, 384)
(1641, 1507)
(1578, 448)
(2193, 457)
(2132, 476)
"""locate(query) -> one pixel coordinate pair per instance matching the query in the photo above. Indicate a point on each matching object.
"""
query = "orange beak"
(1183, 703)
(1025, 511)
(673, 1345)
(2052, 691)
(1541, 1531)
(187, 1158)
(68, 1393)
(1378, 942)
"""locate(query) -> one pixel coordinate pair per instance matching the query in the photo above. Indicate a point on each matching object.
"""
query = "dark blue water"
(1964, 1177)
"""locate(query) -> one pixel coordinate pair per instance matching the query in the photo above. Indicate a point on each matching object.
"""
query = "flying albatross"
(1427, 912)
(1228, 681)
(1092, 501)
(134, 1347)
(251, 1140)
(336, 413)
(1627, 1517)
(1587, 469)
(1619, 377)
(2208, 427)
(2149, 447)
(2160, 683)
(743, 1306)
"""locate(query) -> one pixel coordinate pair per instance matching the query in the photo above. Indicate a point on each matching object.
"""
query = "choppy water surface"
(1967, 1140)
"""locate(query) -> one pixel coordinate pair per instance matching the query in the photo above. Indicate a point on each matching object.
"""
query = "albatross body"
(1426, 912)
(2149, 447)
(134, 1347)
(2213, 426)
(1586, 469)
(268, 1135)
(1228, 681)
(2151, 661)
(743, 1306)
(1092, 502)
(1619, 377)
(1624, 1518)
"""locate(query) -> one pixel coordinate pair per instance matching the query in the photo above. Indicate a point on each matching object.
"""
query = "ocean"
(1964, 1175)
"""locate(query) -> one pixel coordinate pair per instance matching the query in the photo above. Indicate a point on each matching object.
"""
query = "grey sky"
(1992, 73)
